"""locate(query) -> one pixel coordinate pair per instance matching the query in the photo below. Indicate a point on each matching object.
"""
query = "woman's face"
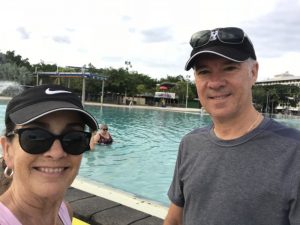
(50, 173)
(104, 129)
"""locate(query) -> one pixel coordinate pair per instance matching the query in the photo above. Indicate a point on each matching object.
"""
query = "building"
(284, 79)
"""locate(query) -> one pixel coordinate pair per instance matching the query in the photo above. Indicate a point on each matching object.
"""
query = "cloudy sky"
(152, 34)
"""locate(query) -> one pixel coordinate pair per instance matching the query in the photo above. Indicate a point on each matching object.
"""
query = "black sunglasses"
(37, 140)
(227, 35)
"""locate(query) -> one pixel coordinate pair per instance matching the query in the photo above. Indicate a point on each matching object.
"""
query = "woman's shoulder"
(66, 213)
(7, 217)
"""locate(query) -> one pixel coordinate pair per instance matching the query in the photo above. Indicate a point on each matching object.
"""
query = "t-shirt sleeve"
(294, 212)
(175, 192)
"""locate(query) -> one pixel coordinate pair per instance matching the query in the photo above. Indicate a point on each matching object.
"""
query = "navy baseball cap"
(229, 42)
(39, 101)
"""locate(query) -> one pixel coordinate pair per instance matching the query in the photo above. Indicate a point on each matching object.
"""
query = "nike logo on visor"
(49, 92)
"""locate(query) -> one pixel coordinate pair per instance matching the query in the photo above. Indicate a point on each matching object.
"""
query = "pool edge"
(96, 204)
(124, 198)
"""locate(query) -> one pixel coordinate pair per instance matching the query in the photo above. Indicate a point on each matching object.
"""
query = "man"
(244, 169)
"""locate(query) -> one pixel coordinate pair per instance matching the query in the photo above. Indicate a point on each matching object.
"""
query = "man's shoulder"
(283, 130)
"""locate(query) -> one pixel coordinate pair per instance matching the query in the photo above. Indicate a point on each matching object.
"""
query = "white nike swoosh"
(49, 92)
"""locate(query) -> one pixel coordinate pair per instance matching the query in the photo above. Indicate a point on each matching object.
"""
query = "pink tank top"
(8, 218)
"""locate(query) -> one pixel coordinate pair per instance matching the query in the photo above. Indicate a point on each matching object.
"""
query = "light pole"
(187, 90)
(267, 104)
(102, 91)
(37, 76)
(128, 65)
(83, 74)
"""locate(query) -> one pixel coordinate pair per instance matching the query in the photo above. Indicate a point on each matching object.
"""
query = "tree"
(118, 81)
(267, 98)
(141, 89)
(45, 67)
(11, 72)
(17, 59)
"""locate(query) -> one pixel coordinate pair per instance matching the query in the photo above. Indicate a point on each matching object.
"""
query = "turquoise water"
(142, 158)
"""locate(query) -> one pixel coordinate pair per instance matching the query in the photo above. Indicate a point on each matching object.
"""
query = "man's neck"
(238, 126)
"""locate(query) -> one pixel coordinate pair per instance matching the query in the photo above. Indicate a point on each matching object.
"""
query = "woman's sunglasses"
(37, 140)
(228, 35)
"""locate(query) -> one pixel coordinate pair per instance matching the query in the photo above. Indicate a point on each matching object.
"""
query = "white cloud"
(153, 35)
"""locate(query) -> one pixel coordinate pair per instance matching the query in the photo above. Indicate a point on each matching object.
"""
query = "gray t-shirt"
(252, 180)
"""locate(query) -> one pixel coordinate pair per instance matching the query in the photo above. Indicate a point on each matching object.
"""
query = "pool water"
(142, 158)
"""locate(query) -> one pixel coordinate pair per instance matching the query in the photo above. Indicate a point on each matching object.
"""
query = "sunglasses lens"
(200, 38)
(231, 35)
(76, 142)
(35, 141)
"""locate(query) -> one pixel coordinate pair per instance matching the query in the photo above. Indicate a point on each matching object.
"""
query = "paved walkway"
(168, 108)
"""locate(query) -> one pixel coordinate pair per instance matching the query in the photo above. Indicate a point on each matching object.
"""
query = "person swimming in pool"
(103, 136)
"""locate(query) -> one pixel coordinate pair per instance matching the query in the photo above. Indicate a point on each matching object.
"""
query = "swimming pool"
(142, 158)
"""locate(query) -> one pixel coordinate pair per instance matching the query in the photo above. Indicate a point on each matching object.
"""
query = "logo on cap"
(213, 35)
(49, 92)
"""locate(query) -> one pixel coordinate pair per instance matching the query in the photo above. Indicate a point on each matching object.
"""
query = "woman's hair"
(9, 127)
(5, 182)
(103, 126)
(3, 165)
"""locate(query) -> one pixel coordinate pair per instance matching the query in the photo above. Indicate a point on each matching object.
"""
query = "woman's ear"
(7, 151)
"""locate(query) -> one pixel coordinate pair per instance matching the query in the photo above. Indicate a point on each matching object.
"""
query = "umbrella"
(168, 84)
(163, 88)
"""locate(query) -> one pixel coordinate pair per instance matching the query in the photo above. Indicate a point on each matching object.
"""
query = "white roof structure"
(284, 78)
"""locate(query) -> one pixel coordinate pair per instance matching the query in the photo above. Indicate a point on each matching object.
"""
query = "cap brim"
(38, 110)
(227, 52)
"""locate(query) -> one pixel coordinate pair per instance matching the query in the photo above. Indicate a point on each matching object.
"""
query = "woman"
(103, 136)
(42, 148)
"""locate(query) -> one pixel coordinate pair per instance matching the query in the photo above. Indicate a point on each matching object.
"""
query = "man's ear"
(7, 151)
(254, 72)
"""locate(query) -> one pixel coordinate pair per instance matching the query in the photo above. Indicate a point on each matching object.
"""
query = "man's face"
(224, 86)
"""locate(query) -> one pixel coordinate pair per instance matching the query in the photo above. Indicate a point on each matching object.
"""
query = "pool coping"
(167, 108)
(98, 204)
(125, 198)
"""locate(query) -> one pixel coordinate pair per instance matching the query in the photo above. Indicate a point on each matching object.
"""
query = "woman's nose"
(56, 150)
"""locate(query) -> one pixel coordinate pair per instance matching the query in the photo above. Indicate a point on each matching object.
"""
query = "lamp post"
(102, 91)
(83, 74)
(37, 76)
(187, 90)
(267, 104)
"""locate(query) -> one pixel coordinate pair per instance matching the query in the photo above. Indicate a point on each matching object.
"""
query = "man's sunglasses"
(37, 140)
(227, 35)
